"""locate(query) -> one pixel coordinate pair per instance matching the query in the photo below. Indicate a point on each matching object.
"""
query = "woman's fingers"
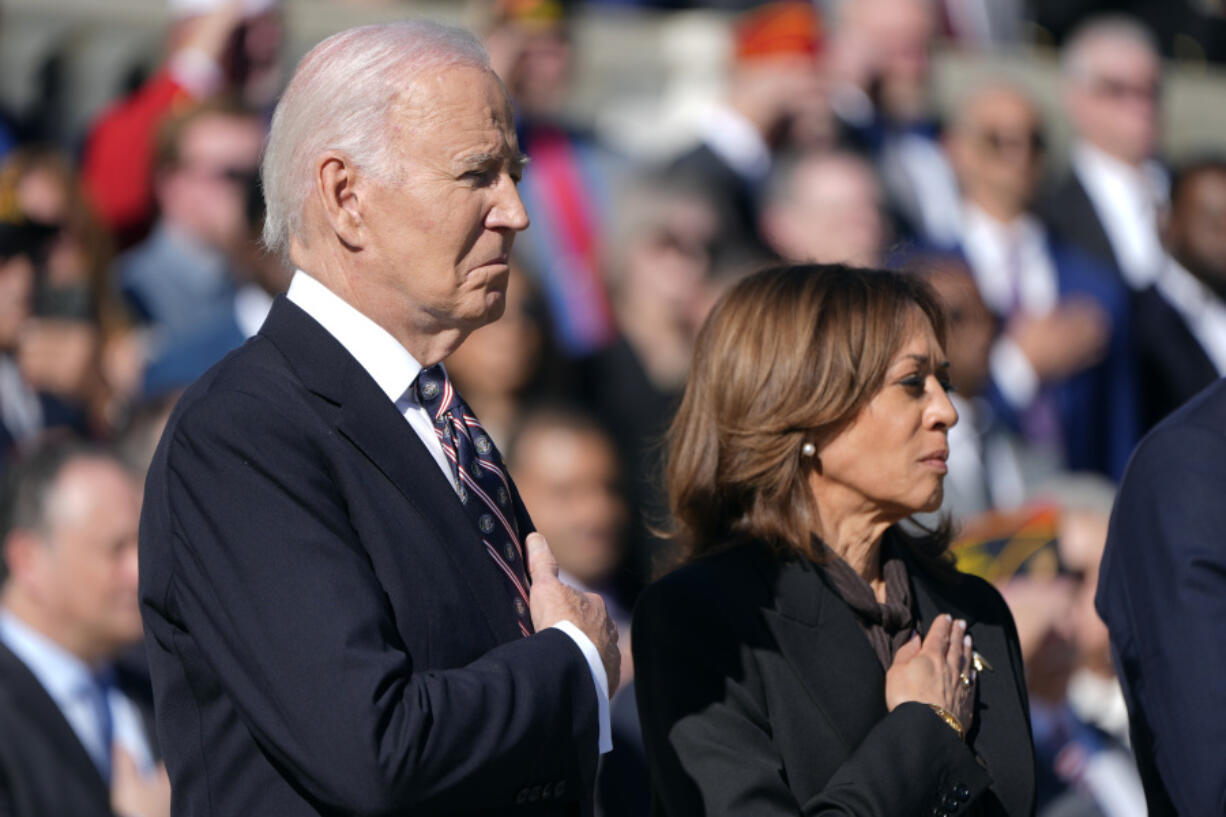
(957, 646)
(937, 640)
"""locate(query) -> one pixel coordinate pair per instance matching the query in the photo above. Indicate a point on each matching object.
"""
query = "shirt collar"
(735, 140)
(60, 672)
(381, 355)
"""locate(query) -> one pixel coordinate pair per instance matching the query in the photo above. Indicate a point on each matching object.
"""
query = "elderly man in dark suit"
(75, 723)
(1162, 593)
(335, 565)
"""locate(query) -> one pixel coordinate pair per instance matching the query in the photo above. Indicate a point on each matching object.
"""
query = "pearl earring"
(808, 450)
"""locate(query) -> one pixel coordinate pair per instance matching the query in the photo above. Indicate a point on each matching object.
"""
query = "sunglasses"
(1119, 90)
(1000, 141)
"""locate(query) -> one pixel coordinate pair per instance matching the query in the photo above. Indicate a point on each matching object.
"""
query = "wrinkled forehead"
(454, 99)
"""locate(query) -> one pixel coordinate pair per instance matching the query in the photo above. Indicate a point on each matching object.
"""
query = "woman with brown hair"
(811, 656)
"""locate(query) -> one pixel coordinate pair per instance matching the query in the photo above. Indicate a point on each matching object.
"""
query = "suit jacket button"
(535, 794)
(962, 792)
(522, 797)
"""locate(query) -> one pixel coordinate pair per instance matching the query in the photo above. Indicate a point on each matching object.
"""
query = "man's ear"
(337, 190)
(21, 551)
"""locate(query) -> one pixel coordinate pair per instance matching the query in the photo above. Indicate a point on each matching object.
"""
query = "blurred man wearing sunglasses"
(1108, 205)
(1061, 373)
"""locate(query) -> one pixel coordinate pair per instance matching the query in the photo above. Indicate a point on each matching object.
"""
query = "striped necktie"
(482, 483)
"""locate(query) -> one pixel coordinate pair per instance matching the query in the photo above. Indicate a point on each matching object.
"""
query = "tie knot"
(434, 390)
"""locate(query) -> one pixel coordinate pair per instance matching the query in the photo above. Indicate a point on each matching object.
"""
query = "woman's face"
(890, 460)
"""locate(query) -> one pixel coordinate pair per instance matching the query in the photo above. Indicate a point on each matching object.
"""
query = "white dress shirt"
(1014, 271)
(736, 141)
(394, 370)
(1201, 309)
(1127, 201)
(70, 683)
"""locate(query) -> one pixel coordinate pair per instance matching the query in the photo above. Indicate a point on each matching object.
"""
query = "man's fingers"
(541, 564)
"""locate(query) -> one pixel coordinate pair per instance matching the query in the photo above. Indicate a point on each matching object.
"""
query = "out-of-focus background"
(1056, 169)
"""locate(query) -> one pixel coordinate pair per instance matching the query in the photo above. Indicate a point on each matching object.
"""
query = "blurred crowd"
(1085, 302)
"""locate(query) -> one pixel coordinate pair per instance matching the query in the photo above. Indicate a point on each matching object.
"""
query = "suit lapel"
(819, 636)
(996, 698)
(33, 701)
(363, 414)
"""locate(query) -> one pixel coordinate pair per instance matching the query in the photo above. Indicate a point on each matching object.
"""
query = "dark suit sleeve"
(272, 586)
(1162, 592)
(708, 734)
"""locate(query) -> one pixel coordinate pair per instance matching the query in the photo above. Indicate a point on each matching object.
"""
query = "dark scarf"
(890, 625)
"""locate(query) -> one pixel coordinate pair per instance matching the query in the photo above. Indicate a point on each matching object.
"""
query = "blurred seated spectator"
(79, 316)
(569, 187)
(182, 276)
(663, 281)
(213, 48)
(77, 739)
(775, 103)
(990, 465)
(569, 478)
(1109, 202)
(1062, 372)
(825, 207)
(507, 363)
(259, 276)
(879, 65)
(1181, 319)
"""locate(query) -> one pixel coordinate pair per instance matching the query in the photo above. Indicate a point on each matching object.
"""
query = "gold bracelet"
(949, 718)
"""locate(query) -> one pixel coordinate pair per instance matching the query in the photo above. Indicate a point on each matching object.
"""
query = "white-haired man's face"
(440, 236)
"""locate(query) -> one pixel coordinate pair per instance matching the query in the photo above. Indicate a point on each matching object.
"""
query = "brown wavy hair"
(788, 355)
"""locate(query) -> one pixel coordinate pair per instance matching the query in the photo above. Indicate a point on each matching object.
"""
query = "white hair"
(339, 99)
(1075, 60)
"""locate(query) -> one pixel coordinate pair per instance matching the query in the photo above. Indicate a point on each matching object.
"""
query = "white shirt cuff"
(1013, 373)
(599, 678)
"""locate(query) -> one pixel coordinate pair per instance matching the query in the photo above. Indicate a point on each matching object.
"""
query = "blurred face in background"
(80, 574)
(205, 192)
(1196, 227)
(970, 327)
(830, 212)
(534, 62)
(1113, 97)
(568, 479)
(997, 151)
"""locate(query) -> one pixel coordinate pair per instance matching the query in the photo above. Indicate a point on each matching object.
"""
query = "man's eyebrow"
(517, 160)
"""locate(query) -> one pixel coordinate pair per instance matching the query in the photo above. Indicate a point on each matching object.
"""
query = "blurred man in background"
(214, 48)
(182, 276)
(570, 190)
(1061, 370)
(880, 67)
(76, 732)
(1181, 319)
(826, 208)
(775, 102)
(1108, 205)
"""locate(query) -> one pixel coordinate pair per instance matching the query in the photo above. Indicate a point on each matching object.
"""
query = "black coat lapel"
(998, 697)
(819, 635)
(34, 702)
(364, 415)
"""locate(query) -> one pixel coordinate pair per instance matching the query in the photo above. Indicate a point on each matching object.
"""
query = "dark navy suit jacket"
(326, 633)
(1162, 593)
(1098, 407)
